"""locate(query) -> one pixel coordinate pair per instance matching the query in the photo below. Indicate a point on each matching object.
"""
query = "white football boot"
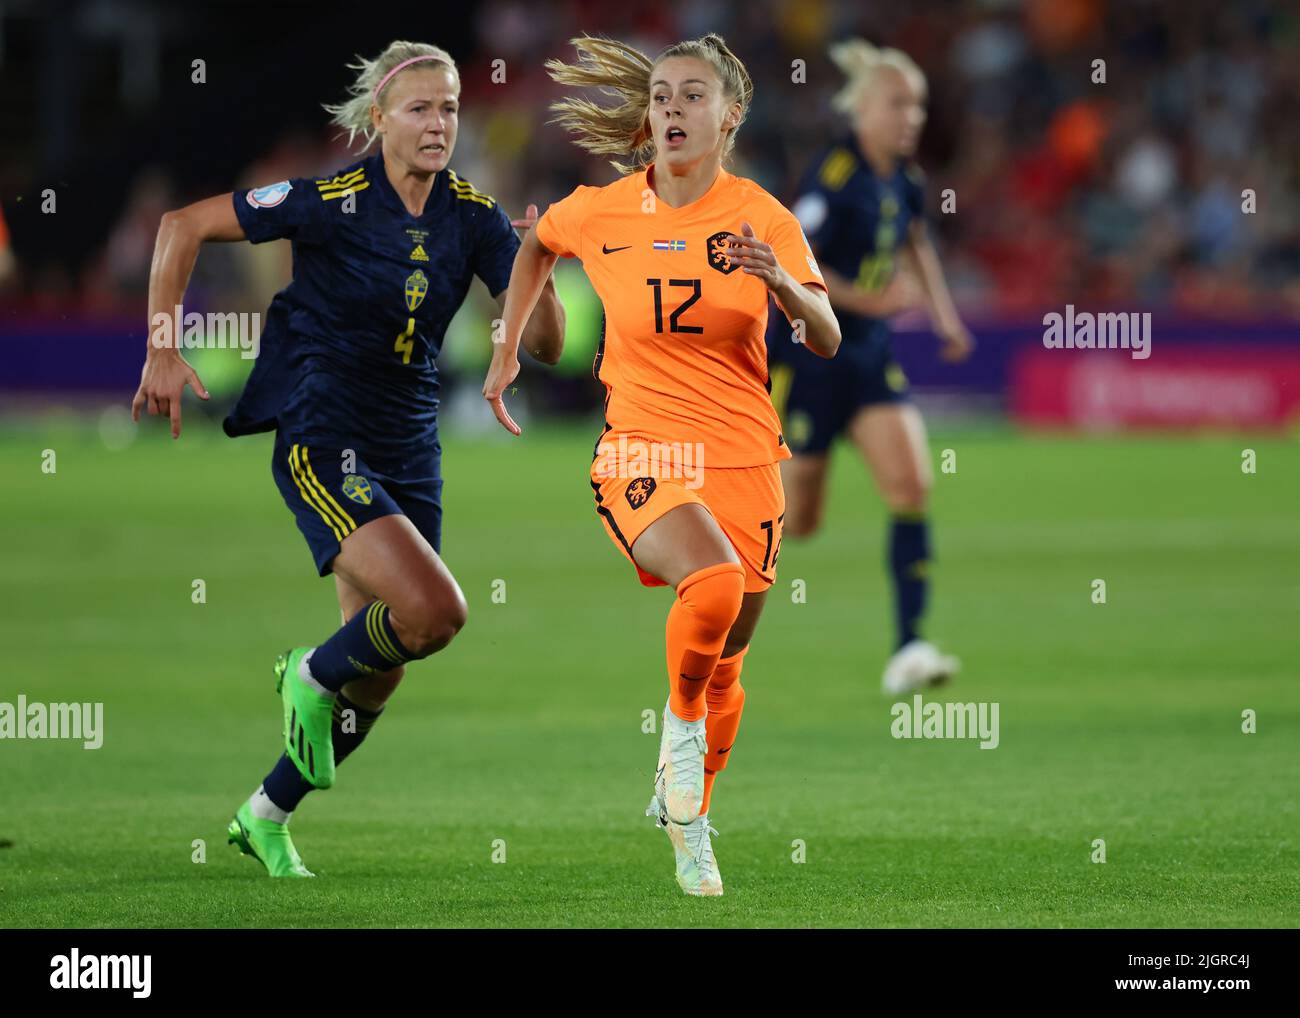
(697, 869)
(917, 665)
(679, 782)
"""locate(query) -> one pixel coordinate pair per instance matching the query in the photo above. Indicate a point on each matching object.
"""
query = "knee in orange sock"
(707, 604)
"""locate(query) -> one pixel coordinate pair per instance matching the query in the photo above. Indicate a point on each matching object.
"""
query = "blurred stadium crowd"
(1126, 191)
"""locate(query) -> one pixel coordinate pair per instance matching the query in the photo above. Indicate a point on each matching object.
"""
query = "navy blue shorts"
(330, 502)
(817, 397)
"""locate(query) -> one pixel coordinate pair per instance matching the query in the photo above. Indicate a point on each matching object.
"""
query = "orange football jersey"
(683, 357)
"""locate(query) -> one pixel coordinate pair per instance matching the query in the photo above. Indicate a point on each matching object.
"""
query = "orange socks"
(708, 602)
(726, 701)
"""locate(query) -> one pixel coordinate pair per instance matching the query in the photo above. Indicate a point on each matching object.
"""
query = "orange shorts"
(748, 503)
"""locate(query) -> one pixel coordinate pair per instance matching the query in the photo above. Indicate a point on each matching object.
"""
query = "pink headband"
(404, 64)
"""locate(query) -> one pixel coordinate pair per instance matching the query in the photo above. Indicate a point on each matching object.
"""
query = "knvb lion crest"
(639, 491)
(357, 489)
(718, 257)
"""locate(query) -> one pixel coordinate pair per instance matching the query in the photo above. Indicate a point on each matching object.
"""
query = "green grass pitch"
(1119, 721)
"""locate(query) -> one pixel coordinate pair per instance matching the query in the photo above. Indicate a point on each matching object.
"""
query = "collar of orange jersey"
(722, 177)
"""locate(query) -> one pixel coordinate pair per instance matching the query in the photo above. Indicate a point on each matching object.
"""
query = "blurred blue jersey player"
(861, 206)
(384, 253)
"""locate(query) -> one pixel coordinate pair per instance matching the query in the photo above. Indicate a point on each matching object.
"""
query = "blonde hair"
(618, 70)
(353, 114)
(859, 60)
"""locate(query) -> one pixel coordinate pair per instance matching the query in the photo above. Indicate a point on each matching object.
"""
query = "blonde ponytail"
(618, 70)
(859, 60)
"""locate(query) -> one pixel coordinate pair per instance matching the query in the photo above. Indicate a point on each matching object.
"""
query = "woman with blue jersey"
(384, 254)
(861, 206)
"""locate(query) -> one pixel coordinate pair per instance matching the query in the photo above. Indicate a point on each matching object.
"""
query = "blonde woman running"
(861, 205)
(384, 252)
(685, 475)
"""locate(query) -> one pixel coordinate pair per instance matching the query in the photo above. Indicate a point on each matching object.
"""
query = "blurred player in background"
(383, 255)
(684, 368)
(861, 204)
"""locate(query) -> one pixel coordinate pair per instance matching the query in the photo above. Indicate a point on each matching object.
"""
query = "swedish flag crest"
(358, 489)
(417, 285)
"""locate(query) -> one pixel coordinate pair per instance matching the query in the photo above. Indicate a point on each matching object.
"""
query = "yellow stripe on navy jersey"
(343, 177)
(349, 351)
(460, 187)
(346, 186)
(343, 184)
(837, 169)
(464, 189)
(456, 180)
(861, 222)
(350, 189)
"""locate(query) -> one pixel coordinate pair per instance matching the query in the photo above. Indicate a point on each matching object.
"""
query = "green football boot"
(307, 719)
(267, 842)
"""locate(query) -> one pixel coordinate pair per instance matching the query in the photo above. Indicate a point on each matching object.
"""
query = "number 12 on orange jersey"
(674, 325)
(770, 552)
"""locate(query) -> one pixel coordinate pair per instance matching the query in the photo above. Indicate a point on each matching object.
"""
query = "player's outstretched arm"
(166, 372)
(957, 340)
(528, 277)
(801, 301)
(544, 334)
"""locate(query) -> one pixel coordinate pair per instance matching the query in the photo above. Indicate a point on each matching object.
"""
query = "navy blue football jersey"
(856, 222)
(348, 348)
